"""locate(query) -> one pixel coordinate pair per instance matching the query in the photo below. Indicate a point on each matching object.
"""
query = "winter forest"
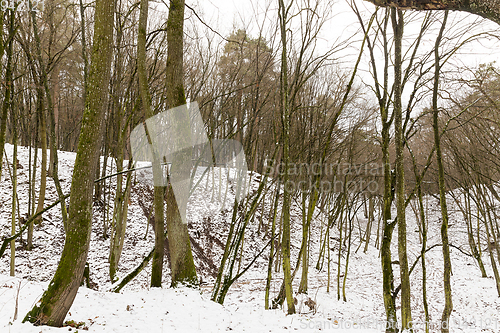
(251, 166)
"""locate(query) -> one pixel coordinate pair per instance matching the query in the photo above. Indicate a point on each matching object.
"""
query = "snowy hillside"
(139, 308)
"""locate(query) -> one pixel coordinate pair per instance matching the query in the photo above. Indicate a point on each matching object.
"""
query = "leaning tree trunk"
(489, 9)
(59, 297)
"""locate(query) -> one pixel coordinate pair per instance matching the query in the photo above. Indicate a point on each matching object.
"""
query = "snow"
(139, 308)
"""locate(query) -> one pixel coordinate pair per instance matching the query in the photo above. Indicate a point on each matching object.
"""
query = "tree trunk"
(8, 84)
(305, 241)
(490, 250)
(159, 190)
(119, 219)
(32, 163)
(43, 172)
(14, 185)
(120, 210)
(398, 24)
(420, 216)
(271, 250)
(59, 297)
(183, 269)
(54, 95)
(448, 305)
(371, 210)
(422, 253)
(53, 153)
(285, 240)
(488, 9)
(382, 93)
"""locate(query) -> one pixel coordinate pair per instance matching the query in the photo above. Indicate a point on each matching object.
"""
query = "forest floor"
(139, 308)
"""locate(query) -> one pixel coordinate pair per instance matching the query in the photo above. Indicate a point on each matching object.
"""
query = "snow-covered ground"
(139, 308)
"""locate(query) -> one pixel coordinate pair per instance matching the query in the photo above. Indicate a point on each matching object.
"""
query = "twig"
(209, 27)
(6, 240)
(398, 288)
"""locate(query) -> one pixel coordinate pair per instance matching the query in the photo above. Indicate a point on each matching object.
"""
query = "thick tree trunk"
(489, 9)
(182, 263)
(59, 297)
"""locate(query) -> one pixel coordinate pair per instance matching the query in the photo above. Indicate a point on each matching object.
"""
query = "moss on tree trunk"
(182, 263)
(58, 298)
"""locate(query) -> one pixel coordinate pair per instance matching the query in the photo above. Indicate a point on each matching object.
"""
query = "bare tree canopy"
(489, 9)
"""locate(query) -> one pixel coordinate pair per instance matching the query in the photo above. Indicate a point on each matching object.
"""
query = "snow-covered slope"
(139, 308)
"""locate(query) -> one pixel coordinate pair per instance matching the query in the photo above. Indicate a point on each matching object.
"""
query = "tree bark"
(489, 9)
(59, 297)
(182, 263)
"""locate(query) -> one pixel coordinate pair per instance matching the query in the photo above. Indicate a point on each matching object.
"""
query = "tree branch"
(489, 9)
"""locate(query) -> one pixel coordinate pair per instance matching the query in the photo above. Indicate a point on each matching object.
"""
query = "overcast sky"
(225, 16)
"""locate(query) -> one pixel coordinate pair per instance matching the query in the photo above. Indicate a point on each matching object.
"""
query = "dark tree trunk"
(489, 9)
(183, 268)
